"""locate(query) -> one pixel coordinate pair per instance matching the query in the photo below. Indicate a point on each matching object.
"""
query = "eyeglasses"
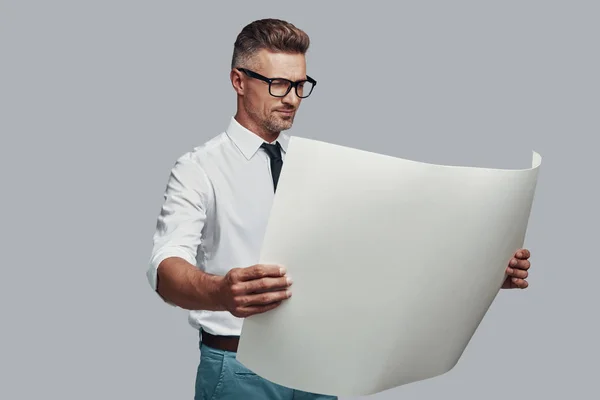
(280, 87)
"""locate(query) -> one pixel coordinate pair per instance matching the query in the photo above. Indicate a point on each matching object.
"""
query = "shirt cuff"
(152, 272)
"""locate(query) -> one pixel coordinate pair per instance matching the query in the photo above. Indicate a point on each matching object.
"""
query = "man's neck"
(254, 128)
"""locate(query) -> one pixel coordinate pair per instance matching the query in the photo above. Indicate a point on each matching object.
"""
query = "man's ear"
(236, 81)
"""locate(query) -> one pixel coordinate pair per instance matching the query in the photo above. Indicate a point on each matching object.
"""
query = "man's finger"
(244, 288)
(519, 263)
(267, 284)
(523, 254)
(517, 273)
(248, 311)
(260, 271)
(523, 264)
(520, 283)
(262, 299)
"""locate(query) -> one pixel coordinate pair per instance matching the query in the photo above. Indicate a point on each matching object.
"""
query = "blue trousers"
(221, 377)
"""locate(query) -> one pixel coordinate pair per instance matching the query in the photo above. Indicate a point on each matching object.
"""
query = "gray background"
(99, 98)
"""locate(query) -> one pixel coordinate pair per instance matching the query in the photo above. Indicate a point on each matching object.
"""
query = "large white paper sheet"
(395, 263)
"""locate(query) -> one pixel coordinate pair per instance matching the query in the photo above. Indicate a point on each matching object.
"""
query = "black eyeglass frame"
(291, 85)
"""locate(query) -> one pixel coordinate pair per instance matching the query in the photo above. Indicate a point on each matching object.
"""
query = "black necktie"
(274, 152)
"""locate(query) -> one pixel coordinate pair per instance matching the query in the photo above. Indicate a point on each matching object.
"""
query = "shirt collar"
(248, 142)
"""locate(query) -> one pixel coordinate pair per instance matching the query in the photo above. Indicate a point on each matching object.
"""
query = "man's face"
(274, 114)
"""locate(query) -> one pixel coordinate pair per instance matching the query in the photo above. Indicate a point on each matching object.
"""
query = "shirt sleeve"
(182, 216)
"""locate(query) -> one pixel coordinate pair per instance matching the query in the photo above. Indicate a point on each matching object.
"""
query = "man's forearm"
(184, 285)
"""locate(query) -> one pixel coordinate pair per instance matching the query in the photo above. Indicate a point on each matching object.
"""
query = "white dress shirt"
(215, 211)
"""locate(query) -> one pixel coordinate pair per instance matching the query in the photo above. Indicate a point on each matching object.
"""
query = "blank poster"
(395, 263)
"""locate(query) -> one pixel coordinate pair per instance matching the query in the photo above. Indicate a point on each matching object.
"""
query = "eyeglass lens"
(281, 87)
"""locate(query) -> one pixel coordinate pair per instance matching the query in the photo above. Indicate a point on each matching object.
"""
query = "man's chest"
(241, 201)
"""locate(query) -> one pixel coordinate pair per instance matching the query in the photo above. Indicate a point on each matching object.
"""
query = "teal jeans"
(221, 377)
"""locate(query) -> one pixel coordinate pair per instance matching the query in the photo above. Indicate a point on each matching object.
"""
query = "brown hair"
(271, 34)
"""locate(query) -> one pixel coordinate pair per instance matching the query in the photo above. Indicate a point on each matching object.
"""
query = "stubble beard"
(273, 123)
(277, 123)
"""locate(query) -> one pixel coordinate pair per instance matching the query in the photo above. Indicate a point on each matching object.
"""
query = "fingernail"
(289, 280)
(510, 270)
(282, 270)
(288, 293)
(513, 262)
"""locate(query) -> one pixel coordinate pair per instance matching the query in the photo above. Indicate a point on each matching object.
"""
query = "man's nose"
(291, 98)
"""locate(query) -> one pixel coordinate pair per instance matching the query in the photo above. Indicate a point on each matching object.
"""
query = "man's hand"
(517, 270)
(253, 290)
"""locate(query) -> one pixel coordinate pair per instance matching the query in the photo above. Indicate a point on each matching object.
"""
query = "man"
(217, 201)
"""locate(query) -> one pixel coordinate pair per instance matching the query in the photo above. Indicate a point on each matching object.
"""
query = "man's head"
(265, 50)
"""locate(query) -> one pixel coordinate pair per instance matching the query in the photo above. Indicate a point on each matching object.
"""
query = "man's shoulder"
(204, 152)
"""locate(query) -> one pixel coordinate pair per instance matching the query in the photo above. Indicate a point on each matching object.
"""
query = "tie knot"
(273, 150)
